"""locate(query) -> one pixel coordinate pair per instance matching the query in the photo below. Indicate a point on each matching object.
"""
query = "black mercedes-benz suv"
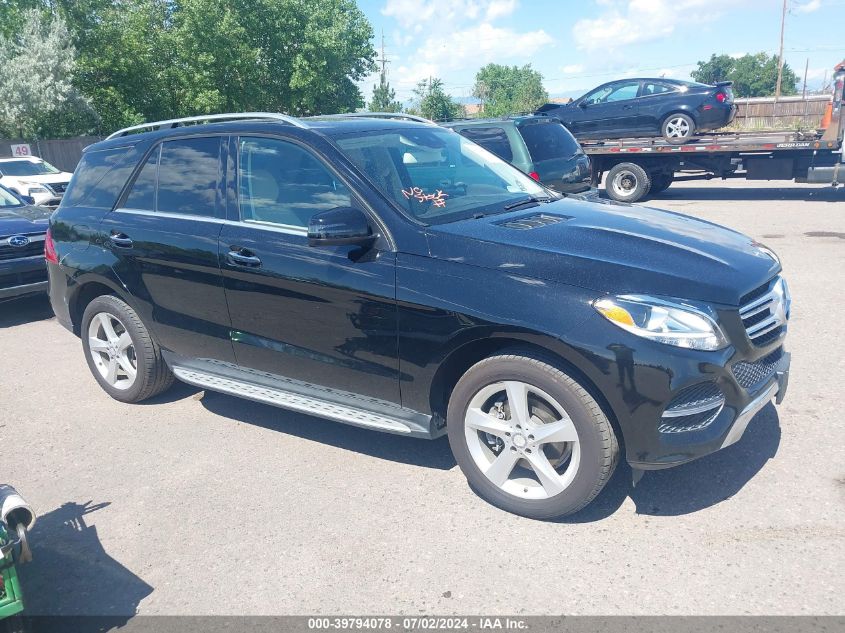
(394, 275)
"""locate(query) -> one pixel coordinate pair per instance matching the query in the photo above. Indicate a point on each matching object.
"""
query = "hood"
(612, 248)
(25, 219)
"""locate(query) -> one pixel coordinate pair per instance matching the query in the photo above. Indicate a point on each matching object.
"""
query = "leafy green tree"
(384, 97)
(752, 75)
(509, 89)
(39, 98)
(433, 102)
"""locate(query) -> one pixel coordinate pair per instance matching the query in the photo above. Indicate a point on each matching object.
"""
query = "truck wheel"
(678, 128)
(660, 182)
(528, 438)
(121, 353)
(627, 182)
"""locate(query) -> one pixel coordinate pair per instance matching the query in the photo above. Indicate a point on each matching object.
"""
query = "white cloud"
(625, 22)
(500, 9)
(571, 69)
(809, 7)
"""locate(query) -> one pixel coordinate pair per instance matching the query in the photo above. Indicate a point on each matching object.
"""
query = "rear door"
(557, 157)
(163, 236)
(323, 316)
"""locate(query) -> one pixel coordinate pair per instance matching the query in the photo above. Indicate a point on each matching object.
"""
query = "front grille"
(58, 187)
(692, 409)
(751, 375)
(764, 312)
(534, 221)
(33, 249)
(22, 279)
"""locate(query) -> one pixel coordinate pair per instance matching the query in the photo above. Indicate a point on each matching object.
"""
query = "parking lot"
(200, 503)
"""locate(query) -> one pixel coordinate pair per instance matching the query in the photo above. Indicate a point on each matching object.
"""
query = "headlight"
(662, 321)
(38, 189)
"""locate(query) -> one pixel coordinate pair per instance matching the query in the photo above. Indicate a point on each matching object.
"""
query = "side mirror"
(27, 199)
(339, 227)
(582, 105)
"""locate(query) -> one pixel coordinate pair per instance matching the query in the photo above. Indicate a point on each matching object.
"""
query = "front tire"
(121, 353)
(678, 128)
(529, 438)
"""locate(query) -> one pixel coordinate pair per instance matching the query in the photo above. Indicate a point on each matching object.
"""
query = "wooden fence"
(762, 113)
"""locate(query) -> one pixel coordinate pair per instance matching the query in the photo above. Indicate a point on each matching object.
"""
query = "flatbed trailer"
(634, 168)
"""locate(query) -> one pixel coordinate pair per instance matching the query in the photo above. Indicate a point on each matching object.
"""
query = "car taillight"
(534, 175)
(50, 249)
(721, 97)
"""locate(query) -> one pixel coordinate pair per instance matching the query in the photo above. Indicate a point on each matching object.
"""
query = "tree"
(752, 75)
(39, 98)
(384, 97)
(433, 102)
(509, 89)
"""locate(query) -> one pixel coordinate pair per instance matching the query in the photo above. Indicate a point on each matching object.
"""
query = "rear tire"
(660, 182)
(627, 182)
(678, 128)
(528, 437)
(121, 353)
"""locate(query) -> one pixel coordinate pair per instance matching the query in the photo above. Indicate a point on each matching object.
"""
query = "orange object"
(828, 116)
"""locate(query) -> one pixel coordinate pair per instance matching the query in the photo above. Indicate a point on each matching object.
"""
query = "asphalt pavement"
(200, 503)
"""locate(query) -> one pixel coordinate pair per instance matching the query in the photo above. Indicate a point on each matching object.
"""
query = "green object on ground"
(11, 600)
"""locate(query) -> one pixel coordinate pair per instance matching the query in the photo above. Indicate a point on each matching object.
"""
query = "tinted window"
(188, 176)
(99, 178)
(614, 92)
(27, 168)
(548, 140)
(282, 183)
(143, 192)
(491, 138)
(651, 88)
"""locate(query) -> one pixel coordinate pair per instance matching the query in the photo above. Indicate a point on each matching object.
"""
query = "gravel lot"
(199, 503)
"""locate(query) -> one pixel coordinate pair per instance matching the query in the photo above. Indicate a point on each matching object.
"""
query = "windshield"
(26, 168)
(8, 200)
(437, 175)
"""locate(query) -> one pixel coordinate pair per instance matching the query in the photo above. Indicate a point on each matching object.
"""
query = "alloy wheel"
(678, 127)
(112, 350)
(522, 439)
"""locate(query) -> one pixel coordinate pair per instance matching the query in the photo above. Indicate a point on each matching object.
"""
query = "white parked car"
(35, 178)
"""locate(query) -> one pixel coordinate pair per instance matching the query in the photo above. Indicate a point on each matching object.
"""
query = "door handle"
(242, 257)
(628, 107)
(120, 239)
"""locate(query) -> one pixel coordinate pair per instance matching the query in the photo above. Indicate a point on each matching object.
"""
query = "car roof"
(31, 159)
(330, 125)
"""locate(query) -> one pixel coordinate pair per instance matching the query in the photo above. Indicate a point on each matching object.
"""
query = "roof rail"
(172, 123)
(379, 115)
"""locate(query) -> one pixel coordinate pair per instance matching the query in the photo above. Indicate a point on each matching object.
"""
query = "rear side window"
(99, 178)
(548, 140)
(493, 139)
(143, 192)
(188, 176)
(651, 88)
(180, 176)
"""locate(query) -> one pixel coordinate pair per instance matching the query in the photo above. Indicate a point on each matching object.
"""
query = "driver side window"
(281, 183)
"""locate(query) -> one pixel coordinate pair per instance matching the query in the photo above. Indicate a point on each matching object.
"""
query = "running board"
(293, 401)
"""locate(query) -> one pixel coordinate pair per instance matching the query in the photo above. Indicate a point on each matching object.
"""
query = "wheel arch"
(85, 290)
(687, 110)
(544, 347)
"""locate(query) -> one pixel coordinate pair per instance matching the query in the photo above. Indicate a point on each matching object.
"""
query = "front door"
(164, 238)
(609, 111)
(325, 316)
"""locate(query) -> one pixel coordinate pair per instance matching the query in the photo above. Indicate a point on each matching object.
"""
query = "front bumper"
(20, 277)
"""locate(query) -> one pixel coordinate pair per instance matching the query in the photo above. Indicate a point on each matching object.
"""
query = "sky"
(577, 45)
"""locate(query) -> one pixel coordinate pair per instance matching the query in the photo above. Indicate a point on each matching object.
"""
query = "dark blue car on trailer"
(675, 110)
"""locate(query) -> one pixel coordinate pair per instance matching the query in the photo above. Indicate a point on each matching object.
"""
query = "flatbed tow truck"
(634, 168)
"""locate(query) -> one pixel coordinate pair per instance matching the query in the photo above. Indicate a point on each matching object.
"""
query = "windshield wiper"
(528, 200)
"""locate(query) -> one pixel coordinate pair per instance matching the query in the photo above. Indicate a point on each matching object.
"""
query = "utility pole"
(780, 55)
(806, 70)
(383, 60)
